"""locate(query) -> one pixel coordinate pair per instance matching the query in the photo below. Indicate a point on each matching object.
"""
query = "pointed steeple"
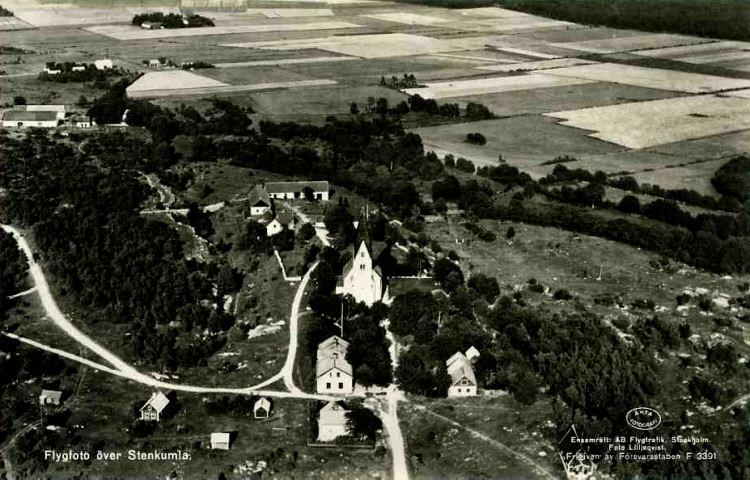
(363, 231)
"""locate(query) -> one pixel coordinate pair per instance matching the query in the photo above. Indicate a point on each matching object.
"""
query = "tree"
(353, 108)
(484, 286)
(305, 232)
(362, 422)
(19, 100)
(382, 106)
(510, 234)
(629, 204)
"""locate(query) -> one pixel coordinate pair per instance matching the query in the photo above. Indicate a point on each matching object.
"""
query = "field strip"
(514, 27)
(290, 12)
(522, 51)
(407, 18)
(468, 58)
(483, 86)
(171, 79)
(738, 93)
(284, 61)
(657, 122)
(670, 80)
(687, 50)
(716, 57)
(493, 12)
(183, 92)
(541, 65)
(626, 44)
(128, 32)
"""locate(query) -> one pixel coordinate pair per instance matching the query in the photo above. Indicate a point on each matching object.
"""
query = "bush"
(465, 165)
(562, 294)
(475, 139)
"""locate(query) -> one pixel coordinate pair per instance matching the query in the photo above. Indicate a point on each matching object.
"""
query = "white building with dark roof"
(50, 397)
(461, 371)
(262, 408)
(296, 190)
(260, 202)
(334, 375)
(24, 119)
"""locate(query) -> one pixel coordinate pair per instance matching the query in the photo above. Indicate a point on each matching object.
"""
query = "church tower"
(361, 278)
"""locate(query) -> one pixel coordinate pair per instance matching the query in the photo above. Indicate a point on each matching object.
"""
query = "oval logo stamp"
(643, 418)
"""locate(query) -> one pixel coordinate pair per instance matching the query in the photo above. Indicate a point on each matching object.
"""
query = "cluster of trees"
(407, 81)
(428, 107)
(173, 20)
(704, 18)
(475, 138)
(89, 73)
(4, 12)
(733, 178)
(102, 252)
(13, 266)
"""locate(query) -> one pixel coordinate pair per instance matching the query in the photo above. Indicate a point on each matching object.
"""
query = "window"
(338, 374)
(362, 254)
(341, 386)
(362, 266)
(328, 385)
(464, 381)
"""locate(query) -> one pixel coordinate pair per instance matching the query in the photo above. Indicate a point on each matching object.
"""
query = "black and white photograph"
(374, 239)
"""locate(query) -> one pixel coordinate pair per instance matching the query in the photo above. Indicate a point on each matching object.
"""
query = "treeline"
(725, 19)
(173, 20)
(84, 73)
(730, 185)
(84, 215)
(13, 266)
(430, 107)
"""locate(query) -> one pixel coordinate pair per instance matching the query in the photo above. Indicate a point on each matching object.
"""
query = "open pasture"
(567, 97)
(524, 141)
(483, 86)
(626, 44)
(283, 61)
(630, 161)
(130, 32)
(716, 146)
(514, 25)
(646, 124)
(171, 79)
(676, 53)
(13, 23)
(228, 89)
(651, 77)
(692, 177)
(493, 12)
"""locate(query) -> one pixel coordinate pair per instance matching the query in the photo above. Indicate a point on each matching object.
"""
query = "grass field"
(483, 86)
(629, 43)
(646, 124)
(516, 139)
(252, 75)
(693, 177)
(718, 146)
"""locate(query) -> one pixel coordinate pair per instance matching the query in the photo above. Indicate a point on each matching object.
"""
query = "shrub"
(475, 139)
(562, 294)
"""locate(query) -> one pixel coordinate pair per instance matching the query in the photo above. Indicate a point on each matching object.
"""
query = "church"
(361, 278)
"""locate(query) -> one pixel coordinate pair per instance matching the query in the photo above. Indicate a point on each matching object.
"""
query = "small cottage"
(282, 220)
(262, 408)
(259, 201)
(220, 441)
(154, 407)
(461, 371)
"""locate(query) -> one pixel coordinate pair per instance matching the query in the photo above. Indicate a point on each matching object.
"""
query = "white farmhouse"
(332, 422)
(296, 190)
(334, 375)
(104, 64)
(461, 371)
(283, 219)
(260, 202)
(262, 408)
(23, 119)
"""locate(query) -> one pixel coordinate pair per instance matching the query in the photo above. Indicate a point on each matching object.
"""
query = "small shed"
(220, 441)
(50, 397)
(262, 408)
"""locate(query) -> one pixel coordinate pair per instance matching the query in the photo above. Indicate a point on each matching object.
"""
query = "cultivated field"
(290, 12)
(568, 97)
(252, 75)
(717, 146)
(130, 32)
(626, 44)
(172, 79)
(646, 124)
(652, 78)
(693, 177)
(407, 18)
(481, 86)
(539, 65)
(13, 23)
(286, 61)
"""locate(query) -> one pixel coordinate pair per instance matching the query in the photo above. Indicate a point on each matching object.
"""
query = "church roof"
(363, 234)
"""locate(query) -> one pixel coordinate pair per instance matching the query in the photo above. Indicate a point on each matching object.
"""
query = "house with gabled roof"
(334, 375)
(361, 278)
(279, 222)
(296, 190)
(332, 421)
(262, 408)
(461, 371)
(154, 407)
(259, 201)
(220, 441)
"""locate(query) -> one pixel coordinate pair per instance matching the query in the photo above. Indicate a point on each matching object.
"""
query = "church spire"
(363, 230)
